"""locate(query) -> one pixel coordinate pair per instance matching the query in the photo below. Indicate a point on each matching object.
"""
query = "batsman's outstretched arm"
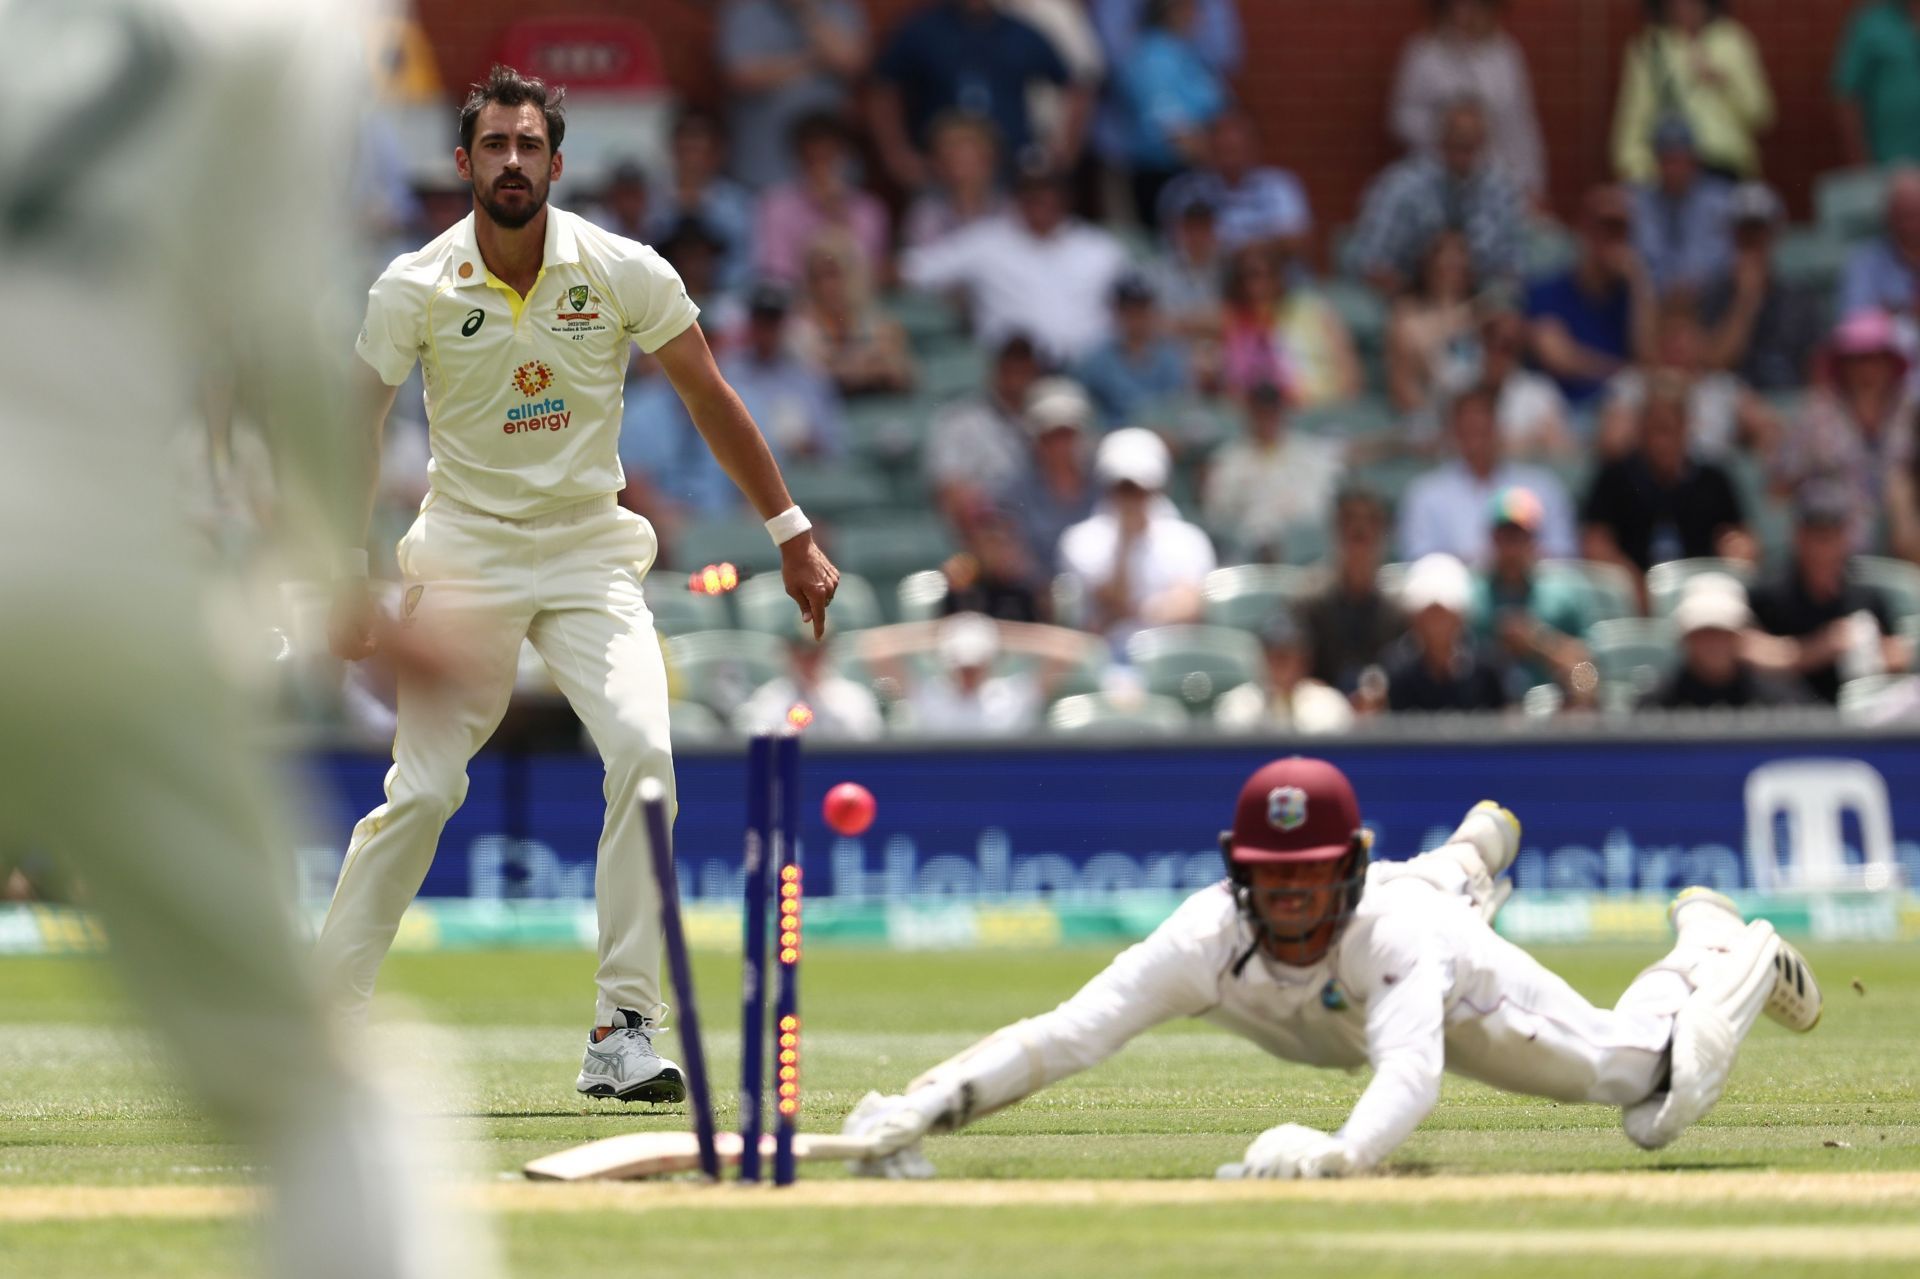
(1173, 973)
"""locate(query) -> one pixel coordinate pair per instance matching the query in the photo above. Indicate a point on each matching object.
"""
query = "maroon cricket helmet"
(1294, 810)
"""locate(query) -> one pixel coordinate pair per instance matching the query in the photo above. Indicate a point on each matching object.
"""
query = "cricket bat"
(659, 1154)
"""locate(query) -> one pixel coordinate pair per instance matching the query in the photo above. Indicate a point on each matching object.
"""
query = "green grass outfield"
(103, 1170)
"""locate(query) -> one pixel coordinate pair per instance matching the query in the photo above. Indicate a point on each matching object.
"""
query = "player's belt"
(572, 513)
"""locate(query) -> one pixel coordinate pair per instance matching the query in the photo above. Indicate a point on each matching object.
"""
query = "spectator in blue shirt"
(1119, 23)
(1587, 323)
(1884, 273)
(966, 56)
(784, 60)
(1172, 96)
(701, 188)
(1680, 219)
(794, 402)
(1253, 203)
(1139, 364)
(1459, 189)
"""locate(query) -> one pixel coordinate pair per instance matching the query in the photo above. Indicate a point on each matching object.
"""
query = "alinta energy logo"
(549, 414)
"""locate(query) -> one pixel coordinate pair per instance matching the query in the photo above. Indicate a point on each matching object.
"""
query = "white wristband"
(352, 563)
(787, 525)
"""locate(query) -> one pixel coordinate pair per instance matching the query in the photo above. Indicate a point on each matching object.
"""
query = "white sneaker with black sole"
(624, 1067)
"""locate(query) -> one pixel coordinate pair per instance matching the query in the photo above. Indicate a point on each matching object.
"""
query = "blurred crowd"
(1041, 330)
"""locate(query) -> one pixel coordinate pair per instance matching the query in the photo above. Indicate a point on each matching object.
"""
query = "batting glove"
(1293, 1150)
(894, 1126)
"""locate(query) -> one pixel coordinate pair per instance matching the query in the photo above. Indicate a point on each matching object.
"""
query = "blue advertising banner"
(1602, 815)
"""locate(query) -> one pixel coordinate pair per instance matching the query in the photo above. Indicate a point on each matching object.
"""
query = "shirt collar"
(562, 246)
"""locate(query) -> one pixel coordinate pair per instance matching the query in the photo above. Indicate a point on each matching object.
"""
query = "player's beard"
(513, 217)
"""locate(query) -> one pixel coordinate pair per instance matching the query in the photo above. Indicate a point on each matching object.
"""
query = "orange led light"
(791, 955)
(790, 873)
(789, 1022)
(788, 1057)
(789, 1108)
(789, 1040)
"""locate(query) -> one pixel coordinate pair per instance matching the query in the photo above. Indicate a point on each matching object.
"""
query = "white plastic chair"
(1815, 794)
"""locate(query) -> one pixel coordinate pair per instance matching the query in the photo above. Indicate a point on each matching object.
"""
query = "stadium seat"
(1631, 653)
(735, 539)
(1246, 595)
(1365, 314)
(1810, 258)
(1389, 476)
(1666, 581)
(886, 547)
(928, 318)
(720, 669)
(1609, 588)
(1850, 204)
(679, 611)
(1860, 698)
(886, 430)
(1195, 664)
(1896, 580)
(1101, 715)
(835, 489)
(763, 605)
(952, 369)
(921, 596)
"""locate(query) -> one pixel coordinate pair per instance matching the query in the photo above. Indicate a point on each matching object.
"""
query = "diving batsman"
(1321, 957)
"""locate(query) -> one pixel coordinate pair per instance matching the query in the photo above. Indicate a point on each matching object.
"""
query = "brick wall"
(1317, 73)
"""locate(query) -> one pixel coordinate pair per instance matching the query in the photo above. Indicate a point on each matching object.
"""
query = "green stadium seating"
(1195, 664)
(1666, 581)
(1850, 204)
(1860, 697)
(720, 669)
(949, 370)
(1632, 653)
(763, 605)
(1246, 595)
(886, 430)
(739, 540)
(678, 611)
(885, 547)
(1100, 715)
(927, 317)
(1897, 580)
(1365, 314)
(1609, 588)
(833, 489)
(1811, 258)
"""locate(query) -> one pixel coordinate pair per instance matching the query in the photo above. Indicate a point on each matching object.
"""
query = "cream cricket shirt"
(523, 398)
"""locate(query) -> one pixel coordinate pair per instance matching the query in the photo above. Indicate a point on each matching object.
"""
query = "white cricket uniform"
(1417, 984)
(520, 538)
(172, 200)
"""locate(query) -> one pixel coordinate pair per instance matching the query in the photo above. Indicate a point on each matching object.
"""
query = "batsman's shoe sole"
(1794, 1001)
(665, 1088)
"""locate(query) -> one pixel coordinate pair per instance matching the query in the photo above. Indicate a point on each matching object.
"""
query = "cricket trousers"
(570, 582)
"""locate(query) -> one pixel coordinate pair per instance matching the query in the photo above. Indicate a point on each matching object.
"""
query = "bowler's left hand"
(810, 579)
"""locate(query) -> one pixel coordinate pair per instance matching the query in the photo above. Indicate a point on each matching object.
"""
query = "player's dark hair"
(508, 88)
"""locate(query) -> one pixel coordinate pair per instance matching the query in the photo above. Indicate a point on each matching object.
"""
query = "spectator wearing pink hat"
(1858, 424)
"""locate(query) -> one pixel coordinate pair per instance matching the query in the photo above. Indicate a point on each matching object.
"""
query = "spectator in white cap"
(1711, 617)
(1135, 562)
(1290, 699)
(812, 696)
(967, 699)
(1057, 489)
(1436, 667)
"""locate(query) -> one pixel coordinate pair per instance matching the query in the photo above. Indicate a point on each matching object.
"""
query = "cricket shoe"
(1744, 969)
(623, 1065)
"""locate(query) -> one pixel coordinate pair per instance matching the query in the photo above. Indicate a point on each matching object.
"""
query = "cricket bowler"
(523, 317)
(1320, 958)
